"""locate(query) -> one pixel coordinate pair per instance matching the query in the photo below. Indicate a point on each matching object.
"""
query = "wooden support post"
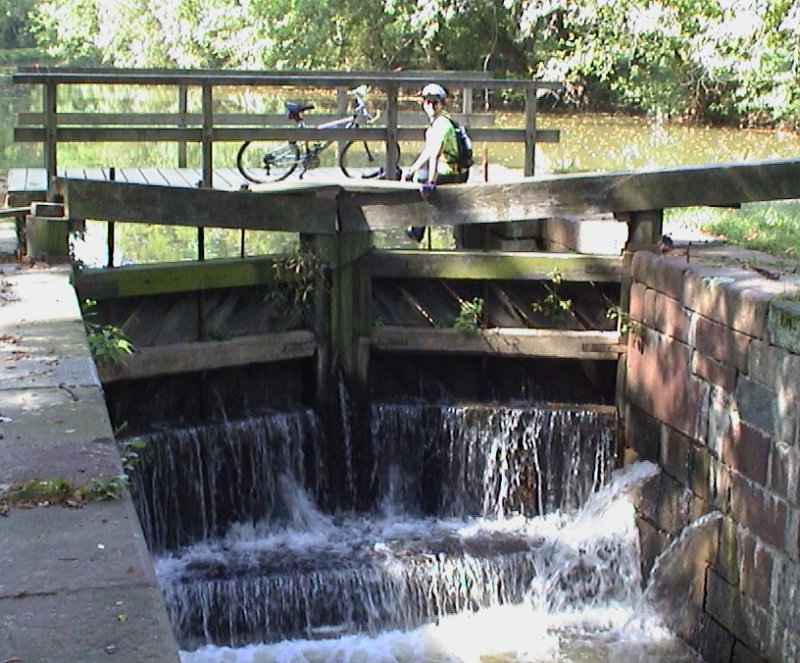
(207, 182)
(207, 136)
(343, 304)
(466, 102)
(182, 110)
(530, 130)
(391, 132)
(208, 157)
(50, 102)
(644, 228)
(342, 327)
(47, 232)
(341, 109)
(112, 176)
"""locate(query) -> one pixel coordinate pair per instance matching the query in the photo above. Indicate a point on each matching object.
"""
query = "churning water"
(497, 534)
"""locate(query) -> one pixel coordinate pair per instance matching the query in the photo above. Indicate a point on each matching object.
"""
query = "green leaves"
(107, 343)
(706, 59)
(469, 316)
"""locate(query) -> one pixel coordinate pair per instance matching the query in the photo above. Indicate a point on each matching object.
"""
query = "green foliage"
(107, 343)
(770, 227)
(296, 275)
(469, 317)
(552, 305)
(60, 491)
(624, 322)
(14, 24)
(102, 489)
(705, 59)
(130, 452)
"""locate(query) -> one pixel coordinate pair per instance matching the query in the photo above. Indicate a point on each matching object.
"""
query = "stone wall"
(712, 379)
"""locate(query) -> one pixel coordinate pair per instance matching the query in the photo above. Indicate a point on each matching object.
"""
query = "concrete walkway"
(76, 584)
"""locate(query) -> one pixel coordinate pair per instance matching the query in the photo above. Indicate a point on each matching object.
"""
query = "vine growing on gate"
(296, 276)
(469, 317)
(552, 305)
(107, 343)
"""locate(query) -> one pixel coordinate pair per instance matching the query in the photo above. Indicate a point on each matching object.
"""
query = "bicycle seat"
(293, 108)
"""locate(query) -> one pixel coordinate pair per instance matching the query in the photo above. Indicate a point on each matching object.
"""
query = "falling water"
(193, 483)
(485, 564)
(489, 461)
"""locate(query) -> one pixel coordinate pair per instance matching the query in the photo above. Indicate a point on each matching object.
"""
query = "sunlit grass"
(770, 227)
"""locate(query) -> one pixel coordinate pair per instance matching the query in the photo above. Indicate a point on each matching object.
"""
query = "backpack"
(464, 157)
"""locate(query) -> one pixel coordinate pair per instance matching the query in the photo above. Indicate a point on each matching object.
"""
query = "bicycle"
(272, 161)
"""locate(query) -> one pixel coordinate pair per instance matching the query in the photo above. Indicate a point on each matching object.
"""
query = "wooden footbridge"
(202, 315)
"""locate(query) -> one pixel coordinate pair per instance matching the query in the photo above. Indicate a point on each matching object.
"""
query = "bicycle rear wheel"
(267, 161)
(364, 159)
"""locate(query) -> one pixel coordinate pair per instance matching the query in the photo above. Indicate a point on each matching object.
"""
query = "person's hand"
(426, 189)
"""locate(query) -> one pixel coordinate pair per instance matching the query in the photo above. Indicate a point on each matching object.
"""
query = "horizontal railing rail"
(51, 127)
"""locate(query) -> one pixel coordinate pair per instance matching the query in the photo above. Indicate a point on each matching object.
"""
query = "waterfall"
(191, 484)
(493, 462)
(479, 514)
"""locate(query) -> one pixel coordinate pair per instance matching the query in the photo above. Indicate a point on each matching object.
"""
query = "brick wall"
(711, 395)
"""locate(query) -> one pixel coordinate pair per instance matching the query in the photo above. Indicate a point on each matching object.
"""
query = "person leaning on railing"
(437, 163)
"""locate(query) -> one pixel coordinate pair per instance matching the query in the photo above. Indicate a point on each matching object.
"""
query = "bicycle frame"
(309, 157)
(276, 161)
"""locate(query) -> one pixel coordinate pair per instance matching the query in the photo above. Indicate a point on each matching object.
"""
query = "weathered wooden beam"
(203, 207)
(250, 78)
(558, 195)
(153, 279)
(149, 362)
(97, 134)
(363, 75)
(551, 343)
(492, 266)
(415, 119)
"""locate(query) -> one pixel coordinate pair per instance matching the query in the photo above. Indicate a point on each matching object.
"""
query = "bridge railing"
(52, 127)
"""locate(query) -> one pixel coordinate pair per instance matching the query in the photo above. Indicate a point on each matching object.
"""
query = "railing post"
(530, 129)
(183, 96)
(207, 156)
(391, 132)
(49, 102)
(207, 136)
(110, 239)
(466, 102)
(341, 109)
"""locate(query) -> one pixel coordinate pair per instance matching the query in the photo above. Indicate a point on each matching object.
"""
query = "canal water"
(496, 534)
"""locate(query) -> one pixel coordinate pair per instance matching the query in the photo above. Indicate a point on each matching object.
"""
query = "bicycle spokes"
(267, 161)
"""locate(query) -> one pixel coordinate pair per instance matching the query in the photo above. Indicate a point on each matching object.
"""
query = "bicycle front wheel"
(267, 161)
(365, 159)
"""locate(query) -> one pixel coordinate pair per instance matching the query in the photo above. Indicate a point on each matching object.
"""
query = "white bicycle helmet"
(433, 91)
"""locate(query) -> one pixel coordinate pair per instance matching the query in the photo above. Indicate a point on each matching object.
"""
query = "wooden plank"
(7, 212)
(180, 176)
(18, 179)
(366, 75)
(253, 78)
(150, 362)
(241, 134)
(314, 118)
(559, 195)
(550, 343)
(141, 203)
(228, 178)
(153, 279)
(492, 266)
